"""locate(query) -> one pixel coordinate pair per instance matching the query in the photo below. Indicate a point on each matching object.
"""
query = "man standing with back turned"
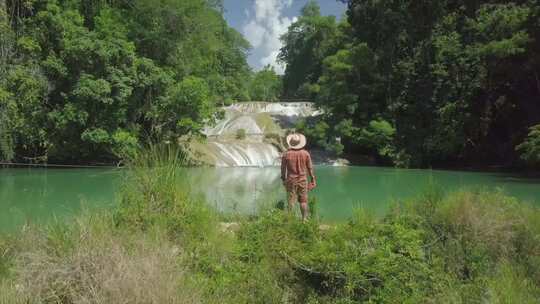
(295, 166)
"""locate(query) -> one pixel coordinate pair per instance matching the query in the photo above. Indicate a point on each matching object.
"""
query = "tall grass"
(510, 284)
(89, 261)
(153, 194)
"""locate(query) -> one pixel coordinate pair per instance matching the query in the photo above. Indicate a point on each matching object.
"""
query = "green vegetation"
(308, 41)
(441, 82)
(88, 81)
(530, 148)
(161, 246)
(266, 85)
(267, 123)
(241, 134)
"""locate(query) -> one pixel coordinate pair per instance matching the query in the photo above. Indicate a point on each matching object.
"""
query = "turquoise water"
(37, 195)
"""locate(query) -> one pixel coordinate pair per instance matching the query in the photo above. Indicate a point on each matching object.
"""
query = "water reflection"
(236, 190)
(341, 189)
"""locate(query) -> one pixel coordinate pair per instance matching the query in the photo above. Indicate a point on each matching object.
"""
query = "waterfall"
(246, 154)
(231, 123)
(300, 109)
(256, 119)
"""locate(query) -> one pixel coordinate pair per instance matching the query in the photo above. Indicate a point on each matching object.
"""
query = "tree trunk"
(6, 36)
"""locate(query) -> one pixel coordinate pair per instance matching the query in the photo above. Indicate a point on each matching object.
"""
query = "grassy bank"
(159, 246)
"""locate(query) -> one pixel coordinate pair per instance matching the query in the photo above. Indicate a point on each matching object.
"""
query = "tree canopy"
(442, 82)
(266, 85)
(411, 83)
(90, 80)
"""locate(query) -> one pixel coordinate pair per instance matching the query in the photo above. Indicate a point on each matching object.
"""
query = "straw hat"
(296, 141)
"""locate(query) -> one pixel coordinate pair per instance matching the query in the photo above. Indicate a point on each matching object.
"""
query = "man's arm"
(283, 168)
(310, 170)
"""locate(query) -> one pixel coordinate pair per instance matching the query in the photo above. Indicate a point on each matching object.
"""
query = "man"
(296, 165)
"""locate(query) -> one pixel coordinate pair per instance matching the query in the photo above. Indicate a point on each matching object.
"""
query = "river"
(38, 195)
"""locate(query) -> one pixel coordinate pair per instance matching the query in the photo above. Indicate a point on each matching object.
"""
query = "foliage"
(6, 144)
(530, 148)
(465, 247)
(320, 134)
(23, 106)
(308, 41)
(89, 261)
(89, 80)
(266, 85)
(6, 49)
(125, 144)
(241, 134)
(453, 83)
(152, 194)
(379, 136)
(184, 112)
(511, 285)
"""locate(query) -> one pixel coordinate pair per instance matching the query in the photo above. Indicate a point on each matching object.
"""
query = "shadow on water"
(517, 178)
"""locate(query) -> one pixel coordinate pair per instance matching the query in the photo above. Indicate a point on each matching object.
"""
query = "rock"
(175, 250)
(229, 227)
(340, 162)
(324, 227)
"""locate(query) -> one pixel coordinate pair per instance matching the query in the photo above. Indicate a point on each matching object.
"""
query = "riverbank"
(161, 246)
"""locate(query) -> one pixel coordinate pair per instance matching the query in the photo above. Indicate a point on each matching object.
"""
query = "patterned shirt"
(296, 165)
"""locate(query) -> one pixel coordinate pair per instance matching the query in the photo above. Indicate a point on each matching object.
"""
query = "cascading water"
(256, 120)
(246, 154)
(298, 109)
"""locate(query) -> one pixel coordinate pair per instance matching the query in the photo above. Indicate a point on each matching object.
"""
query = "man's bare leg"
(290, 207)
(291, 197)
(305, 210)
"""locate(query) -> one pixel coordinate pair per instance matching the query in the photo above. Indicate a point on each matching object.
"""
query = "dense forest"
(410, 83)
(421, 83)
(88, 81)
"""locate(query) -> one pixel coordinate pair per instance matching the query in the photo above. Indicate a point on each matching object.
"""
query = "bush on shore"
(162, 247)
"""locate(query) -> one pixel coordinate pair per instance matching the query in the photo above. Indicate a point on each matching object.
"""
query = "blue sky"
(262, 22)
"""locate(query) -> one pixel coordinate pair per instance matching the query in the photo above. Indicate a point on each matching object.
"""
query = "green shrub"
(510, 284)
(367, 261)
(102, 265)
(152, 194)
(125, 144)
(273, 136)
(6, 141)
(6, 256)
(241, 134)
(473, 235)
(530, 148)
(320, 134)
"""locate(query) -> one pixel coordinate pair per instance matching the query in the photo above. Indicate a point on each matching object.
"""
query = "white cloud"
(267, 24)
(271, 60)
(254, 33)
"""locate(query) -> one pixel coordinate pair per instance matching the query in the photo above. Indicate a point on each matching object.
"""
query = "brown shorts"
(297, 190)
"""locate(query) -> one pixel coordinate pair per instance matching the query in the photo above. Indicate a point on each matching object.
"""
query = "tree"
(6, 141)
(266, 85)
(87, 81)
(437, 71)
(6, 44)
(305, 45)
(530, 148)
(189, 106)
